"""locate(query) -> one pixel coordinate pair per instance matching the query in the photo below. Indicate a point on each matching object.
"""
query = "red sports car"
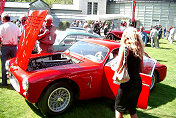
(53, 81)
(116, 35)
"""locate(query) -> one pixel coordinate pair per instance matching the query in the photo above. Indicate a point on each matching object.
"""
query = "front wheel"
(56, 99)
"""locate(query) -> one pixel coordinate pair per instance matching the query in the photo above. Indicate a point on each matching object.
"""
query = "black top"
(128, 93)
(133, 64)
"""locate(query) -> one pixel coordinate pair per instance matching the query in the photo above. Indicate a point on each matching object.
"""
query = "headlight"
(14, 82)
(7, 65)
(25, 83)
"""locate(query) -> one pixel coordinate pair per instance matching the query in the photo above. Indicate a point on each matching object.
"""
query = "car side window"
(79, 37)
(112, 55)
(69, 40)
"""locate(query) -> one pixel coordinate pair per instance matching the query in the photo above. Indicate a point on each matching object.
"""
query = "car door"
(146, 76)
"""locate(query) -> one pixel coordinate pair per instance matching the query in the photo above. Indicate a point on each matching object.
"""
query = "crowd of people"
(157, 32)
(95, 26)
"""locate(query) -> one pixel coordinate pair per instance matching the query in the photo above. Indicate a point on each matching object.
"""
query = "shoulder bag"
(122, 75)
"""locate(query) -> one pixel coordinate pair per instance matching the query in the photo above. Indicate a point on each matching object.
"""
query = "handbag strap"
(124, 59)
(125, 56)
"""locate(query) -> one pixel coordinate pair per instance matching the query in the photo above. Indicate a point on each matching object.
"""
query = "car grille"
(14, 82)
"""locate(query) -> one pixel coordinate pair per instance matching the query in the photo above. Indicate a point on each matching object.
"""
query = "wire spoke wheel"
(59, 99)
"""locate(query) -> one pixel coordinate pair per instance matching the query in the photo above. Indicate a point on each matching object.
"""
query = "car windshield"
(94, 52)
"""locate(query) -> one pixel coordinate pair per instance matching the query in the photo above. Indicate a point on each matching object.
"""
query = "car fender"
(115, 34)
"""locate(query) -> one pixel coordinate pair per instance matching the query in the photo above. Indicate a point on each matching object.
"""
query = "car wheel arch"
(71, 88)
(156, 75)
(70, 82)
(112, 35)
(108, 36)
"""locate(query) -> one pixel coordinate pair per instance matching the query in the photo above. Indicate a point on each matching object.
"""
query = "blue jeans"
(7, 52)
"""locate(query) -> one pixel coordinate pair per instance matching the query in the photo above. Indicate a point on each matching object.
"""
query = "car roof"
(81, 33)
(76, 28)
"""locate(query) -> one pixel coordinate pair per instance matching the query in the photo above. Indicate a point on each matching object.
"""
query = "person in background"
(160, 31)
(172, 35)
(128, 93)
(22, 20)
(112, 26)
(85, 25)
(81, 24)
(74, 24)
(9, 34)
(47, 36)
(168, 32)
(18, 22)
(97, 28)
(122, 26)
(143, 35)
(105, 29)
(164, 32)
(77, 23)
(154, 37)
(0, 20)
(92, 25)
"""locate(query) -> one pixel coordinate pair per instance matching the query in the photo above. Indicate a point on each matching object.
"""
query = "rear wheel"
(154, 80)
(57, 99)
(110, 37)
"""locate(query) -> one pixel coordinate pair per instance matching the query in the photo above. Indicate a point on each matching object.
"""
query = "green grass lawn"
(162, 100)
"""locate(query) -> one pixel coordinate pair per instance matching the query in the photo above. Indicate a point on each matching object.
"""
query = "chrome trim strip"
(145, 84)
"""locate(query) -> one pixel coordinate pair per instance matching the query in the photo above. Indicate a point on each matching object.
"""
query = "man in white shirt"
(171, 35)
(47, 36)
(9, 34)
(23, 20)
(154, 37)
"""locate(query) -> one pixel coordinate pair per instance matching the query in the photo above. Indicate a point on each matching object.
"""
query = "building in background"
(148, 12)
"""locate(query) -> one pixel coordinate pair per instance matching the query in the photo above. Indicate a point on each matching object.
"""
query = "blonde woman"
(128, 93)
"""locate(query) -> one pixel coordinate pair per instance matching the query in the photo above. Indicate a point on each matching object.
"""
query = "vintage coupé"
(54, 80)
(116, 35)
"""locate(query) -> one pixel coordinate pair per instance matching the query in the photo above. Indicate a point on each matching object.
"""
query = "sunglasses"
(24, 20)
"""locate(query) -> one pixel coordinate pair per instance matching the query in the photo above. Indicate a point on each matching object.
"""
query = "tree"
(49, 2)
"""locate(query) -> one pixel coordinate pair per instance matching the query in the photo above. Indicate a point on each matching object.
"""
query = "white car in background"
(66, 39)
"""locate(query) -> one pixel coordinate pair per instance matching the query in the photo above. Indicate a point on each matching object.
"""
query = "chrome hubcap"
(59, 99)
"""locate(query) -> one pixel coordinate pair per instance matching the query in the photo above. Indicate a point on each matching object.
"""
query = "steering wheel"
(99, 55)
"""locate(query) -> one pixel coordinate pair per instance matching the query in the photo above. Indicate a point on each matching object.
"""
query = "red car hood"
(27, 41)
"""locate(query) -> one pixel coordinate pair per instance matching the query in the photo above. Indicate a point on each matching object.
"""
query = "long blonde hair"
(133, 40)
